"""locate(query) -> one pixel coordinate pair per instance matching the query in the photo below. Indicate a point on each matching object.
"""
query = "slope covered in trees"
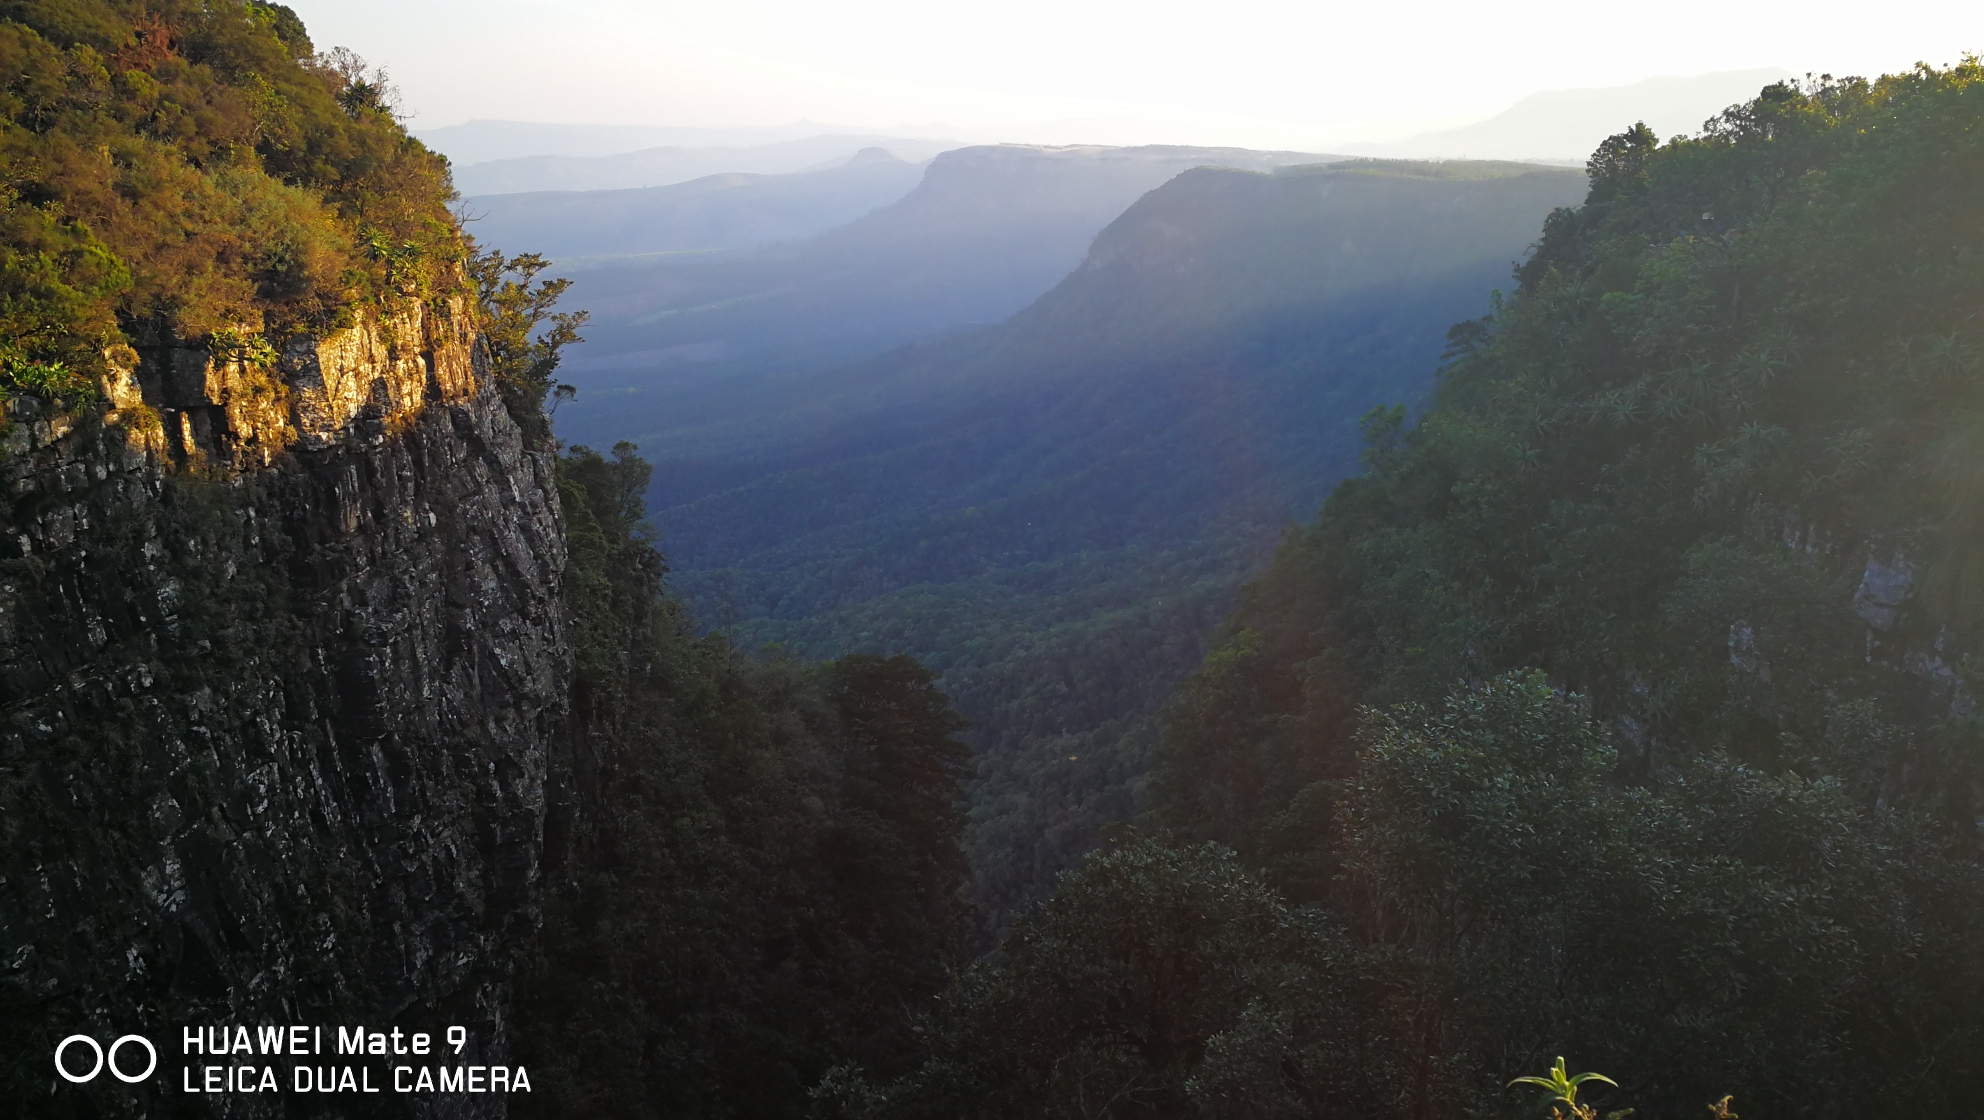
(752, 868)
(1706, 469)
(1622, 709)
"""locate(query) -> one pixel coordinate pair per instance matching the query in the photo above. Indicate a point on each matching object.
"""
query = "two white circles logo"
(103, 1059)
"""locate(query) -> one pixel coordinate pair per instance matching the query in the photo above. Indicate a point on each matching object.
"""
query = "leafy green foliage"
(1563, 1088)
(523, 334)
(1501, 895)
(1677, 472)
(754, 867)
(1721, 925)
(192, 167)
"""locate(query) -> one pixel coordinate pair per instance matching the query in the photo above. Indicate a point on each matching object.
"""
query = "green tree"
(1619, 166)
(525, 337)
(1147, 986)
(897, 858)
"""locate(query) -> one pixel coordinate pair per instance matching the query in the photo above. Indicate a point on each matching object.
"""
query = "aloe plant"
(1564, 1087)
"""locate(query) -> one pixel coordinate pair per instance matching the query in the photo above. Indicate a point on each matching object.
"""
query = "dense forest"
(1621, 709)
(753, 867)
(757, 863)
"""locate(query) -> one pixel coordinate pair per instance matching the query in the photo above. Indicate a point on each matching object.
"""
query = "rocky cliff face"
(280, 661)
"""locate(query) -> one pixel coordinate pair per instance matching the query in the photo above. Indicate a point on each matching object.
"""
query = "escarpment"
(281, 655)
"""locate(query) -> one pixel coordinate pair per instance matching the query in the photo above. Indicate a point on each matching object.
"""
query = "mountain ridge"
(732, 210)
(984, 233)
(668, 165)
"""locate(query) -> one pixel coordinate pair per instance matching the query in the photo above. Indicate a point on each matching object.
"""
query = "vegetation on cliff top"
(188, 168)
(751, 870)
(1713, 466)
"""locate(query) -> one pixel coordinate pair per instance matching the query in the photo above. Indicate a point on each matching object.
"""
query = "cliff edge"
(280, 658)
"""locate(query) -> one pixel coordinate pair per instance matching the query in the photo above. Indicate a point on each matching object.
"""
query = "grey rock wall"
(280, 662)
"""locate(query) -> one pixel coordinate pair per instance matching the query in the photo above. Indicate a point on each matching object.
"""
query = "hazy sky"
(1301, 75)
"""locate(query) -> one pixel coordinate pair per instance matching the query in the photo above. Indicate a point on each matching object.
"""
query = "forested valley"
(1054, 513)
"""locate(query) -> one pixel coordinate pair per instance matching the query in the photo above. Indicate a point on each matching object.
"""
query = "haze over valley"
(985, 231)
(1031, 411)
(1087, 484)
(662, 166)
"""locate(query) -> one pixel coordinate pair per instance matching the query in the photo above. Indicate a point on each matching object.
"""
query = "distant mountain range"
(728, 211)
(483, 141)
(1567, 125)
(663, 166)
(985, 232)
(497, 157)
(1054, 512)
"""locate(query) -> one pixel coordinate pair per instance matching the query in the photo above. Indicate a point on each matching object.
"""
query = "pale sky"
(1245, 72)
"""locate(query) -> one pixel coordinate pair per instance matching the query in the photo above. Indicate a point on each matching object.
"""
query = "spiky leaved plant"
(1564, 1089)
